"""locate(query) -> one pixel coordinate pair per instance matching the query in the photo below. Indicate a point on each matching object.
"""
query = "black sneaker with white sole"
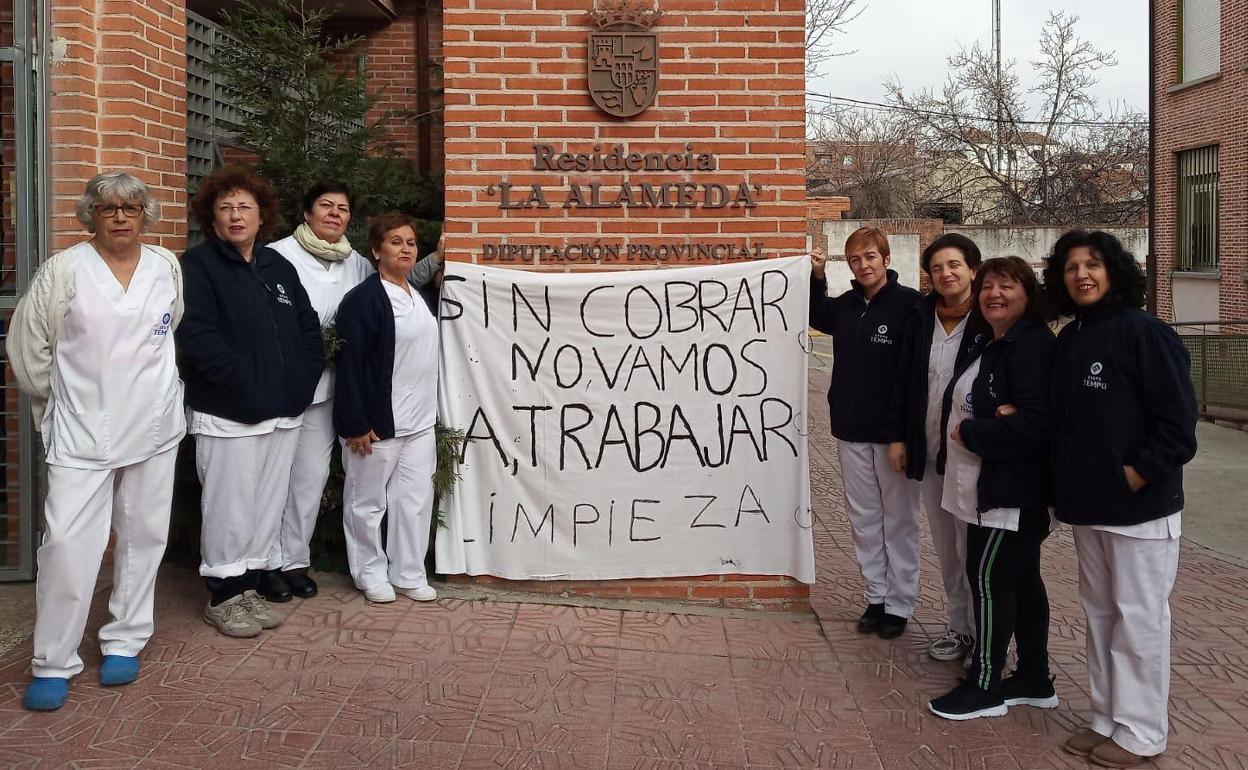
(966, 701)
(1022, 690)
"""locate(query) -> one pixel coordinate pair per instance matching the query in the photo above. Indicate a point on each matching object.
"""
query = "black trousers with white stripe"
(1008, 594)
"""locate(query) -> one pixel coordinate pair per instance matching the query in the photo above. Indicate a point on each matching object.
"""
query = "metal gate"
(18, 246)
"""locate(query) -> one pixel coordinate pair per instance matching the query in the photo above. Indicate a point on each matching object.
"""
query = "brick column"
(118, 103)
(731, 85)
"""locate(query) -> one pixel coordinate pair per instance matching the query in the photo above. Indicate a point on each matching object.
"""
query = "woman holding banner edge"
(385, 405)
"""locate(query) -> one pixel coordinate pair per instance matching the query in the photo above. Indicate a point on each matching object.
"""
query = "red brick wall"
(1195, 117)
(392, 72)
(769, 592)
(118, 102)
(732, 83)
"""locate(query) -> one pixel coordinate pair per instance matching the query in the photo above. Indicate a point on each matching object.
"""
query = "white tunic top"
(940, 362)
(116, 395)
(414, 386)
(326, 284)
(962, 466)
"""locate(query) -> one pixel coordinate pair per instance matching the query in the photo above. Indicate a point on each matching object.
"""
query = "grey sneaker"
(259, 610)
(950, 646)
(232, 618)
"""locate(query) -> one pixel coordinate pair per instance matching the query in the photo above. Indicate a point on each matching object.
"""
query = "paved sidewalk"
(475, 685)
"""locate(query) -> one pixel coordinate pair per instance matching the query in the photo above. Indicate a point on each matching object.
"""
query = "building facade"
(92, 85)
(1200, 168)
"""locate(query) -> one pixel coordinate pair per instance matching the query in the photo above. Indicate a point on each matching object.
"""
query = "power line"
(879, 106)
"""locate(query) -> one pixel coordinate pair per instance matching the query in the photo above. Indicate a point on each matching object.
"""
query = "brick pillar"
(731, 84)
(118, 103)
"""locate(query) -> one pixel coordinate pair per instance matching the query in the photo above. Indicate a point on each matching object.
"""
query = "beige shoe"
(1110, 754)
(1083, 742)
(232, 618)
(259, 610)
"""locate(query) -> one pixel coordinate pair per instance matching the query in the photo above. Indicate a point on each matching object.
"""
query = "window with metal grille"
(1200, 38)
(1198, 209)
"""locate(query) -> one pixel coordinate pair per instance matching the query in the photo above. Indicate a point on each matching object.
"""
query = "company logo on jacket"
(281, 295)
(1094, 379)
(161, 330)
(966, 405)
(881, 335)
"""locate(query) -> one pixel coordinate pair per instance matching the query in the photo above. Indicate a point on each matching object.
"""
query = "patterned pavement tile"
(272, 699)
(325, 648)
(461, 618)
(775, 640)
(340, 752)
(573, 722)
(584, 626)
(487, 758)
(688, 731)
(420, 657)
(433, 710)
(215, 748)
(544, 666)
(663, 632)
(673, 676)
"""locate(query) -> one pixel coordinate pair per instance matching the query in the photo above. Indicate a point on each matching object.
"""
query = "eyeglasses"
(242, 209)
(110, 209)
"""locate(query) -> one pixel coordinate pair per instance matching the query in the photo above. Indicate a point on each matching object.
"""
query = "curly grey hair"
(116, 187)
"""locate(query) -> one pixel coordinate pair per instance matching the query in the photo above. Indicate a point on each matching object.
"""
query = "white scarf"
(330, 252)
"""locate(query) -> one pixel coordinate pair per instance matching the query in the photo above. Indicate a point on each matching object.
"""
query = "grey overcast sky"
(911, 38)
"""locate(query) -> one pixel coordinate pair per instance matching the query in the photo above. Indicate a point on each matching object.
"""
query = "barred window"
(1198, 209)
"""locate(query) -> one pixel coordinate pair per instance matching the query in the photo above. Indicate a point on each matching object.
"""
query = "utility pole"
(996, 49)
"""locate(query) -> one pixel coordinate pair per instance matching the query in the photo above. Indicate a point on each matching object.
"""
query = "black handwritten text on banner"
(627, 424)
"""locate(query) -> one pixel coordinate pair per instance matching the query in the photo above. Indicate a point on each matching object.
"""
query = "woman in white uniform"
(252, 355)
(1124, 424)
(935, 334)
(385, 404)
(91, 344)
(328, 268)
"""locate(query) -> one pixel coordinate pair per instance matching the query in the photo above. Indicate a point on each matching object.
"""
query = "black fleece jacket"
(907, 414)
(364, 366)
(1014, 449)
(250, 342)
(1122, 395)
(865, 346)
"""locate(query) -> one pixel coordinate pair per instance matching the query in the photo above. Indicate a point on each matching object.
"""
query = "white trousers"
(883, 509)
(79, 509)
(1124, 585)
(949, 542)
(308, 475)
(246, 480)
(395, 482)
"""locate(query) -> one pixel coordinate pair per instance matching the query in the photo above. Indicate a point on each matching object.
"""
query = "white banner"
(627, 424)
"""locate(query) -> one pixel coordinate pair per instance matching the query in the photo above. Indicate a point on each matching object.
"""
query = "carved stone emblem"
(624, 57)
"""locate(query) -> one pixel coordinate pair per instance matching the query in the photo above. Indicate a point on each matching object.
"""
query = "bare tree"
(825, 20)
(1064, 160)
(868, 156)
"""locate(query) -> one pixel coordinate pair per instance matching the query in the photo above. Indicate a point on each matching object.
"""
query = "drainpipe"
(424, 126)
(1150, 262)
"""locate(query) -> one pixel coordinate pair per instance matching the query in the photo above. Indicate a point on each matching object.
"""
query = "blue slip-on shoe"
(46, 693)
(118, 669)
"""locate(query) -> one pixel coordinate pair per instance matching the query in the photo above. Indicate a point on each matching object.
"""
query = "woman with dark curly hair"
(1124, 424)
(252, 354)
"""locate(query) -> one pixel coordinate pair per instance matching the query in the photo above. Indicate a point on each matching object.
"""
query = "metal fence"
(1219, 351)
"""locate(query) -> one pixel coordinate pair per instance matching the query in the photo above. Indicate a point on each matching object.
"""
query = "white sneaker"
(950, 646)
(422, 594)
(381, 594)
